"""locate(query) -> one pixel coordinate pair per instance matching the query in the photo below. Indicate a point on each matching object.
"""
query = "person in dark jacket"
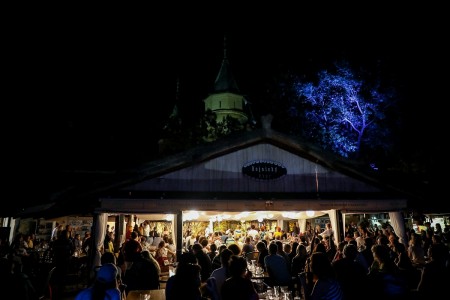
(142, 275)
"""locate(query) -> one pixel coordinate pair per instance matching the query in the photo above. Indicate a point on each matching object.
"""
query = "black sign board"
(264, 169)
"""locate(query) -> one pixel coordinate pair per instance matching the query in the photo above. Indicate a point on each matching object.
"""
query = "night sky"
(84, 94)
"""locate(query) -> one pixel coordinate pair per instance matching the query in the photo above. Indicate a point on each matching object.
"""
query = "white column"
(398, 223)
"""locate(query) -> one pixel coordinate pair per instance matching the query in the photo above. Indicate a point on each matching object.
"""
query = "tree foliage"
(211, 129)
(179, 137)
(342, 111)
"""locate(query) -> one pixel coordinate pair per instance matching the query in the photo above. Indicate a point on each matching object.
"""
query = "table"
(263, 275)
(154, 294)
(164, 276)
(260, 282)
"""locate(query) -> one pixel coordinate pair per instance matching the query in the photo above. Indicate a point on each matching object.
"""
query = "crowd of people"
(26, 262)
(368, 262)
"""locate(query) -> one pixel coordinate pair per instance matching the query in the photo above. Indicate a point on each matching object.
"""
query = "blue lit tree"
(342, 111)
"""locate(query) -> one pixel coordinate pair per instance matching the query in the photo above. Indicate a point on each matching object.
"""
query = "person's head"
(134, 235)
(438, 252)
(303, 239)
(188, 268)
(399, 248)
(368, 242)
(260, 246)
(222, 247)
(273, 248)
(107, 276)
(380, 253)
(237, 266)
(279, 245)
(161, 244)
(321, 266)
(342, 245)
(294, 247)
(213, 248)
(204, 242)
(64, 234)
(108, 258)
(301, 250)
(320, 247)
(350, 251)
(235, 249)
(436, 239)
(196, 248)
(225, 257)
(353, 242)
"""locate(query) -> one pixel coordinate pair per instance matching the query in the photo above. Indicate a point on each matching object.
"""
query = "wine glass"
(276, 290)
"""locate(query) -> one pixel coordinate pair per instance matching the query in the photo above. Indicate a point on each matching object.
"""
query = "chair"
(46, 291)
(252, 256)
(76, 277)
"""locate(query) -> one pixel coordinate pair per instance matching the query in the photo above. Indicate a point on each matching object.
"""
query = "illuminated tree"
(342, 111)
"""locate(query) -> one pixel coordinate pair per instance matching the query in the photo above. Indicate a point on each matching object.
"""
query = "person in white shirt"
(55, 232)
(253, 232)
(359, 240)
(328, 231)
(146, 229)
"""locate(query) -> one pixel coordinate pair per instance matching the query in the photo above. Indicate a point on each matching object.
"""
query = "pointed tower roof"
(225, 80)
(175, 115)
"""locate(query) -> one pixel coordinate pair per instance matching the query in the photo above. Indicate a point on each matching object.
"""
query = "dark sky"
(87, 93)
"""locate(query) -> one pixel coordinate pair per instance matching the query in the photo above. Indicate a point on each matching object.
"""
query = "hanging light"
(310, 213)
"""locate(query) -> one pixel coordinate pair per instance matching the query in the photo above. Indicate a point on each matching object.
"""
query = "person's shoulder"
(85, 294)
(114, 294)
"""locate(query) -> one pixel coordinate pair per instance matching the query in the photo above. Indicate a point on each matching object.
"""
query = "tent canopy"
(206, 216)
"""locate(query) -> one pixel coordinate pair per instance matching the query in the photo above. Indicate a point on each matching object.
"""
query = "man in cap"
(105, 285)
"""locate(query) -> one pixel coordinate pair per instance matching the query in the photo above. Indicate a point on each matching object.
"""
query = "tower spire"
(225, 80)
(224, 47)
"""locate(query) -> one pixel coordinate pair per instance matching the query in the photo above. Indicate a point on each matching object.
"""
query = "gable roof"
(140, 181)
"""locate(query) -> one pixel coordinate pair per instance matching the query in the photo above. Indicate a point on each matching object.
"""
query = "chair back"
(46, 292)
(252, 256)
